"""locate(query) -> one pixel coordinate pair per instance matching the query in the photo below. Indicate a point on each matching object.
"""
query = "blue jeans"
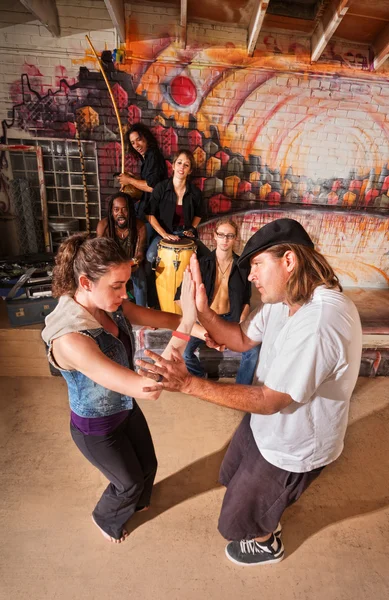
(247, 365)
(138, 279)
(143, 289)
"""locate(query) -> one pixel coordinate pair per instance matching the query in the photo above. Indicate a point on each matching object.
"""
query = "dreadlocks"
(132, 231)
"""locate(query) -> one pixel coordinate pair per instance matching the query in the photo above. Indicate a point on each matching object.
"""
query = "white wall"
(24, 41)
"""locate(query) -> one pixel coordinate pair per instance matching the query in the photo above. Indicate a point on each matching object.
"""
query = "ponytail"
(80, 254)
(64, 281)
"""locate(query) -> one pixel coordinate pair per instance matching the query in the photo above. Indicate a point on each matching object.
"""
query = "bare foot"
(110, 538)
(143, 509)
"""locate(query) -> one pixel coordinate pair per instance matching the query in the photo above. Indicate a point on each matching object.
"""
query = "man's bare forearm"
(224, 332)
(239, 397)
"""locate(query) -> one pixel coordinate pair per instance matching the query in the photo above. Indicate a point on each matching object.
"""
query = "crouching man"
(297, 407)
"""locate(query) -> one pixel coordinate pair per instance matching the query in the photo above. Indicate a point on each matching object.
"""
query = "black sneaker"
(278, 530)
(250, 552)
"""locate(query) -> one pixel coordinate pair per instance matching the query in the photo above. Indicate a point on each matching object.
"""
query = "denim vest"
(86, 397)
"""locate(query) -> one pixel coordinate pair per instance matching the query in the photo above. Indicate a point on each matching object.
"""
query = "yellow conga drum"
(172, 260)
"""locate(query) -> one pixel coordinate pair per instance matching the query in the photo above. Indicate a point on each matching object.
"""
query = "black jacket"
(153, 171)
(239, 287)
(163, 204)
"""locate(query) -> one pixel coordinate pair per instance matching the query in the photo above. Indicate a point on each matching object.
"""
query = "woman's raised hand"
(201, 295)
(188, 304)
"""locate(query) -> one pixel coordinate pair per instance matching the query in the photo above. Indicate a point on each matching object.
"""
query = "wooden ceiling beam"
(46, 12)
(117, 14)
(381, 48)
(183, 22)
(255, 25)
(327, 26)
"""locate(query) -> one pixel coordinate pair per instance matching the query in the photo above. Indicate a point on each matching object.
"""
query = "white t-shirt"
(314, 356)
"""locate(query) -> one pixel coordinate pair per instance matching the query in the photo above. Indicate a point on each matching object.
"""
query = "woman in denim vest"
(89, 340)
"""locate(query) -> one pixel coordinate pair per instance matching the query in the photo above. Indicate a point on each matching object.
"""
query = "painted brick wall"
(33, 63)
(26, 46)
(267, 131)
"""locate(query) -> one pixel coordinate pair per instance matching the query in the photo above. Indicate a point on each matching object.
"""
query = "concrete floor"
(336, 536)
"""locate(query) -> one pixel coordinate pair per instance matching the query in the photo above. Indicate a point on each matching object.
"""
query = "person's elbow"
(269, 410)
(265, 408)
(273, 401)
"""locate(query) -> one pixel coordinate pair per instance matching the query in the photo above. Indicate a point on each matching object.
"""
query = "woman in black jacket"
(176, 207)
(144, 146)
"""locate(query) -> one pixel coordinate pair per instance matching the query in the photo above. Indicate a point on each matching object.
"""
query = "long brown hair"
(80, 254)
(144, 132)
(311, 270)
(189, 156)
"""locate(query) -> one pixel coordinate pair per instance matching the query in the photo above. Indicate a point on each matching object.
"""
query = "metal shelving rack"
(63, 177)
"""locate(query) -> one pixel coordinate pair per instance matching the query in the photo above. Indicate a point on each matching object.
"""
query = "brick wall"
(266, 131)
(33, 63)
(26, 46)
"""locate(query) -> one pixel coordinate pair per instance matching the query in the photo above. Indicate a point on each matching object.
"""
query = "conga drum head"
(172, 260)
(178, 245)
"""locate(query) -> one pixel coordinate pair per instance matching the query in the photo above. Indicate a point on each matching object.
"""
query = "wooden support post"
(255, 26)
(46, 12)
(327, 26)
(116, 12)
(381, 48)
(183, 22)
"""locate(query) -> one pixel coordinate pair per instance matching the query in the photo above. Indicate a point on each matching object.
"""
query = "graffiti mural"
(270, 131)
(260, 136)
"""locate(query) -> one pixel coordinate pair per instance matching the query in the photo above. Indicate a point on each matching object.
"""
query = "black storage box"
(29, 308)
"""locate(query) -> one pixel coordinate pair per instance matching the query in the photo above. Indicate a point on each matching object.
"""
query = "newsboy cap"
(280, 231)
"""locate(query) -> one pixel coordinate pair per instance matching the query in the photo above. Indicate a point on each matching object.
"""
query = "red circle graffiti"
(183, 91)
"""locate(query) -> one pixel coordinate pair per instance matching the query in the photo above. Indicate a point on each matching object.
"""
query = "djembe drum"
(172, 260)
(132, 191)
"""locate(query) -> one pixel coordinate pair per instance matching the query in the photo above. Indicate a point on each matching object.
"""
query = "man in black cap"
(297, 407)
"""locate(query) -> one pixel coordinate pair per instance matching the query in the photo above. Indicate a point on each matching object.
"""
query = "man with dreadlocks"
(129, 233)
